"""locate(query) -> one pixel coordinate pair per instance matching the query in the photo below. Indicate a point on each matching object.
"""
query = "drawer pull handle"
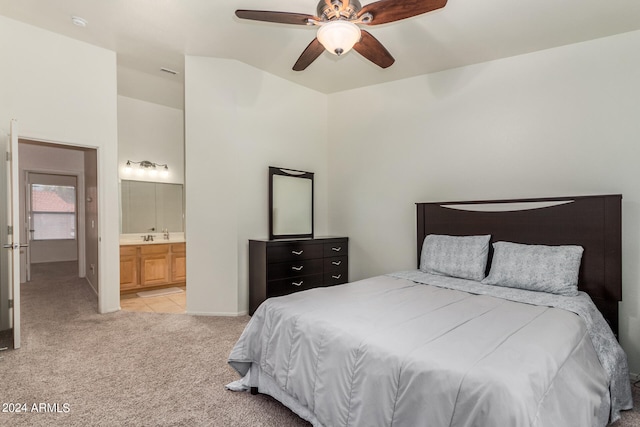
(338, 249)
(297, 268)
(297, 252)
(298, 283)
(336, 262)
(336, 276)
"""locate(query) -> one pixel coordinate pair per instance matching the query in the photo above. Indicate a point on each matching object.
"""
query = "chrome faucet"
(166, 233)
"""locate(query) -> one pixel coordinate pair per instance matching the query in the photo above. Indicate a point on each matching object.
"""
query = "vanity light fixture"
(146, 167)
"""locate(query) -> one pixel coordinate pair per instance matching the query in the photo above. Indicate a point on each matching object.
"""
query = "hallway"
(55, 293)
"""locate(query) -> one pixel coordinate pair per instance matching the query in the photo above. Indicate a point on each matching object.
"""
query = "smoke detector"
(79, 22)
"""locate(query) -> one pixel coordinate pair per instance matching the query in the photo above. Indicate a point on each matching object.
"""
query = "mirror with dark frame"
(290, 204)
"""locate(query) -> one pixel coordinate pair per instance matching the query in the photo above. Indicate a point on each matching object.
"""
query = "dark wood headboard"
(593, 222)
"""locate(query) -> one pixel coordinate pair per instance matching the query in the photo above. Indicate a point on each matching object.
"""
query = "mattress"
(391, 350)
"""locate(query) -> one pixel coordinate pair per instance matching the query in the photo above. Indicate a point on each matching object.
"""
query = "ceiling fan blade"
(385, 11)
(310, 54)
(373, 50)
(278, 17)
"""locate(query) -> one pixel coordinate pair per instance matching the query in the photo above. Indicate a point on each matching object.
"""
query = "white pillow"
(552, 269)
(456, 256)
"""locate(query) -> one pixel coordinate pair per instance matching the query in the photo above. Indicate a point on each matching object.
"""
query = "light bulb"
(338, 37)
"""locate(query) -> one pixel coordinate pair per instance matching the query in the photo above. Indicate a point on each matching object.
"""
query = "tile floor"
(173, 303)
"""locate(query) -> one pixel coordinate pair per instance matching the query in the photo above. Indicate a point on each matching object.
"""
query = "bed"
(451, 345)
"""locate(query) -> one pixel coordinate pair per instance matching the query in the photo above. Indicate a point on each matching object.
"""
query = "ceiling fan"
(338, 22)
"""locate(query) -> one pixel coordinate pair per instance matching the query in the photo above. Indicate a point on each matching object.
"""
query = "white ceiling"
(149, 34)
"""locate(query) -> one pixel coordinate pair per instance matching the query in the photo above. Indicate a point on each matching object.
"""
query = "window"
(54, 212)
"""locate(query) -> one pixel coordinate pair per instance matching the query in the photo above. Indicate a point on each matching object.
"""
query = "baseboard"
(218, 314)
(91, 284)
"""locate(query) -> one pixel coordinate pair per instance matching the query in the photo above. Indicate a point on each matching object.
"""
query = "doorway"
(58, 217)
(63, 227)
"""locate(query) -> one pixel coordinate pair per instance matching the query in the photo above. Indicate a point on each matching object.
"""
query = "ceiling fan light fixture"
(339, 36)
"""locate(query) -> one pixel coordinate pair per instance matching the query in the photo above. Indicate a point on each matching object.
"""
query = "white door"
(12, 246)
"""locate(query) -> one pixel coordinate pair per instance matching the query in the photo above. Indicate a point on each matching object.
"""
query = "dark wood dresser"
(281, 267)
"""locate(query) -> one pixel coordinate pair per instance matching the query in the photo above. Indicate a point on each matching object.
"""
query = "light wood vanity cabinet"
(178, 263)
(152, 266)
(128, 268)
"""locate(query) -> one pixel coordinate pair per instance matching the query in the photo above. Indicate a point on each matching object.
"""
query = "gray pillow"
(552, 269)
(456, 256)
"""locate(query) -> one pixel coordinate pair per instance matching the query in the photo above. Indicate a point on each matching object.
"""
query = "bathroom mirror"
(149, 207)
(290, 204)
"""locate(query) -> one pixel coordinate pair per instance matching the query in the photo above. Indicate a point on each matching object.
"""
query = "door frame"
(98, 287)
(80, 212)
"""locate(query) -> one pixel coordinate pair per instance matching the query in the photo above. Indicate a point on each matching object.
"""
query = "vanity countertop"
(154, 242)
(158, 239)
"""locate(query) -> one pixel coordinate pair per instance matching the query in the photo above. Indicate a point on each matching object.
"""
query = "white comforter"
(389, 351)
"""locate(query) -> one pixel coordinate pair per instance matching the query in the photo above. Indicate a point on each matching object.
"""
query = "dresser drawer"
(294, 251)
(278, 288)
(281, 270)
(335, 278)
(335, 249)
(335, 263)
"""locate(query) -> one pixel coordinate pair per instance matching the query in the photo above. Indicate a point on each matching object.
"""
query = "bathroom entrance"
(152, 245)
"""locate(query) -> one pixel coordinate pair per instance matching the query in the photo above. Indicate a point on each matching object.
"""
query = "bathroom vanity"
(151, 265)
(152, 244)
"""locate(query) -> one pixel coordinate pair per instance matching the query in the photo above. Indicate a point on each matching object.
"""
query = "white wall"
(560, 122)
(62, 90)
(148, 131)
(162, 89)
(239, 121)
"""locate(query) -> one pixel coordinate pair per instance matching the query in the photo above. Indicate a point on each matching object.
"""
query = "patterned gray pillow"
(456, 256)
(552, 269)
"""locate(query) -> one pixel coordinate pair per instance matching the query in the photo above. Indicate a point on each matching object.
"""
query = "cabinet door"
(178, 262)
(154, 270)
(128, 272)
(178, 267)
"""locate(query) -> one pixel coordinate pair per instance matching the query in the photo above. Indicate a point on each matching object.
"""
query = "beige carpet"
(129, 369)
(124, 369)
